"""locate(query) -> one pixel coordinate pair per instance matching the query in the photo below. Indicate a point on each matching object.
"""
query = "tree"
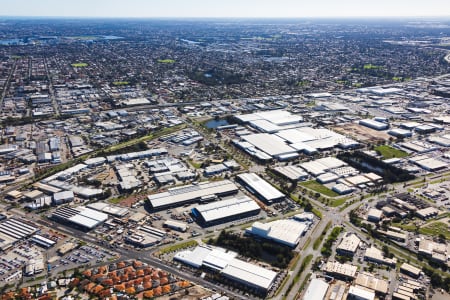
(436, 280)
(308, 206)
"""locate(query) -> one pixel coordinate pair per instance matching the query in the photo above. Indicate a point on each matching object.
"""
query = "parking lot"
(13, 261)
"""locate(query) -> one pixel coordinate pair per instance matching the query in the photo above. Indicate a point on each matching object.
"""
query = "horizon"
(231, 9)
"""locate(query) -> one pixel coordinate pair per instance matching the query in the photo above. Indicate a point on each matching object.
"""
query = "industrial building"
(116, 211)
(427, 213)
(436, 251)
(374, 215)
(202, 192)
(293, 173)
(286, 232)
(14, 230)
(317, 290)
(225, 210)
(322, 165)
(430, 164)
(374, 124)
(145, 236)
(400, 133)
(178, 226)
(272, 145)
(409, 270)
(376, 255)
(367, 280)
(63, 197)
(80, 217)
(349, 245)
(42, 241)
(360, 293)
(260, 188)
(344, 271)
(226, 263)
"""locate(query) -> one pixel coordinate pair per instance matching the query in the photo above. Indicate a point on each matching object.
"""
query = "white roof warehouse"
(192, 192)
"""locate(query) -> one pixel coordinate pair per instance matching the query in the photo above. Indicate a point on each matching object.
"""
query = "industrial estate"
(208, 160)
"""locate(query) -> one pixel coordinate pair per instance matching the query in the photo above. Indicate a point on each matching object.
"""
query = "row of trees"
(277, 255)
(367, 163)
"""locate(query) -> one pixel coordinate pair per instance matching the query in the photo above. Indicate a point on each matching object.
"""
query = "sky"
(225, 8)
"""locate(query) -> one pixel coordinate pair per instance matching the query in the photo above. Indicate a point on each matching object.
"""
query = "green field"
(166, 61)
(389, 152)
(116, 83)
(339, 202)
(436, 228)
(370, 67)
(79, 65)
(320, 188)
(177, 247)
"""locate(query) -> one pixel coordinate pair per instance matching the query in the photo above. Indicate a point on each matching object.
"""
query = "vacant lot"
(436, 228)
(79, 65)
(320, 188)
(390, 152)
(166, 61)
(362, 133)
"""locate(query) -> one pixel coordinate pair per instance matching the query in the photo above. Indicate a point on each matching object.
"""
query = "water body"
(212, 124)
(12, 42)
(112, 37)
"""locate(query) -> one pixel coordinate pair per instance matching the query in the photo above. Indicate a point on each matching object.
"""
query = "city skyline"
(221, 9)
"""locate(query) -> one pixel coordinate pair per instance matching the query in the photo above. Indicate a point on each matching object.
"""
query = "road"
(5, 87)
(144, 256)
(51, 90)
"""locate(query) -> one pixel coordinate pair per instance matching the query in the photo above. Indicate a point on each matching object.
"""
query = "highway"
(144, 256)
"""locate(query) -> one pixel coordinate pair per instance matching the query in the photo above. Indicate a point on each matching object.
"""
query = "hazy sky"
(224, 8)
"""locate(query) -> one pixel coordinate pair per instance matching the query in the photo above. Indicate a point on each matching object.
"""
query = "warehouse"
(429, 163)
(277, 117)
(63, 197)
(367, 280)
(270, 144)
(116, 211)
(226, 263)
(42, 241)
(317, 290)
(286, 232)
(179, 226)
(427, 213)
(144, 236)
(374, 124)
(374, 215)
(360, 293)
(400, 133)
(322, 165)
(81, 217)
(14, 230)
(249, 274)
(342, 189)
(409, 270)
(349, 245)
(292, 173)
(225, 211)
(339, 270)
(260, 188)
(190, 193)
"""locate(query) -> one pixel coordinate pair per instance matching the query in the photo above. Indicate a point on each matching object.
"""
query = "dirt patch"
(362, 133)
(193, 293)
